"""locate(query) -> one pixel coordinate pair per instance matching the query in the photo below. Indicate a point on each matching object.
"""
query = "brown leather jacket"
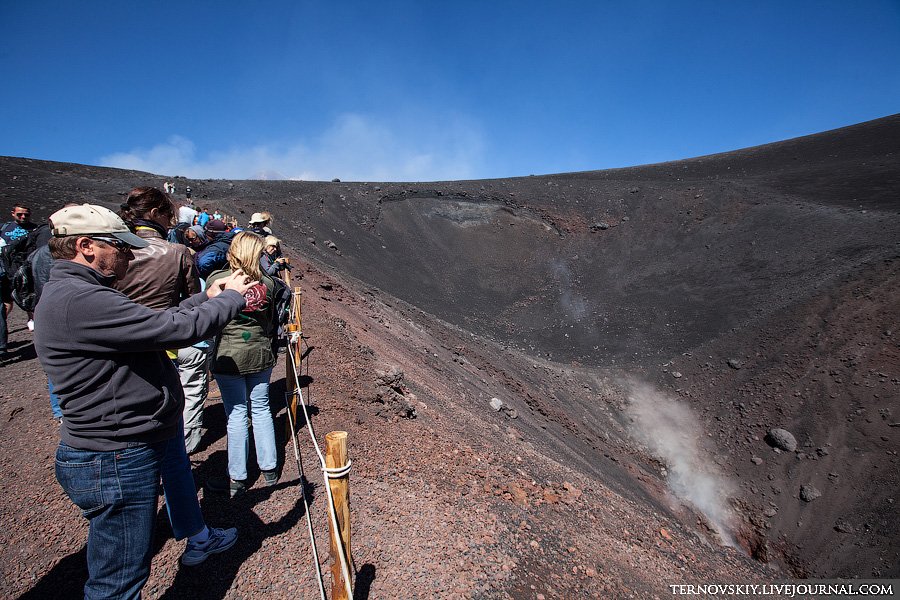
(161, 275)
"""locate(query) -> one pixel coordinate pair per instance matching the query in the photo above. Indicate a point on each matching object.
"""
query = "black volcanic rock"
(808, 493)
(781, 439)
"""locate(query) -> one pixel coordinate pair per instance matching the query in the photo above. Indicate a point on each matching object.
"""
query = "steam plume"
(574, 304)
(672, 433)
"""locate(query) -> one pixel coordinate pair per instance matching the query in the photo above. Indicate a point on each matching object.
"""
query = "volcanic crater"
(585, 369)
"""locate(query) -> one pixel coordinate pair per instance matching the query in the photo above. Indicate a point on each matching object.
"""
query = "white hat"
(258, 218)
(90, 219)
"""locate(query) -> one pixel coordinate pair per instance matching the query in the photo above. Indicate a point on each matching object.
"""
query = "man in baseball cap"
(95, 237)
(121, 396)
(93, 221)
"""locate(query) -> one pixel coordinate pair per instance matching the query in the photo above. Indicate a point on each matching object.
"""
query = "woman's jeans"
(236, 389)
(182, 505)
(117, 491)
(54, 401)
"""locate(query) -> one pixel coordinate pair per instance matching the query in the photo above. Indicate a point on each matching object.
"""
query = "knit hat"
(215, 227)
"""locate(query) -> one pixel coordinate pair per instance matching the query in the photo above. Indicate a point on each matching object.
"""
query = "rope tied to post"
(294, 346)
(338, 472)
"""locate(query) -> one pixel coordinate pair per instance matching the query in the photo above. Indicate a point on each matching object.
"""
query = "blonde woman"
(272, 261)
(242, 363)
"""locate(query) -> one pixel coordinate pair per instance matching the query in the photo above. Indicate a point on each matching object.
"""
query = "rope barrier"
(312, 535)
(338, 472)
(294, 346)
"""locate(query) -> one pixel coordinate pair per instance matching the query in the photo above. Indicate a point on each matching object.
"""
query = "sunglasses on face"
(22, 214)
(114, 242)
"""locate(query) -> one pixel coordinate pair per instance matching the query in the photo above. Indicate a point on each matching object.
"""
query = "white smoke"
(353, 148)
(573, 303)
(672, 433)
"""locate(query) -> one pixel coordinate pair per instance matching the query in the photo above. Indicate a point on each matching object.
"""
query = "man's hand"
(237, 281)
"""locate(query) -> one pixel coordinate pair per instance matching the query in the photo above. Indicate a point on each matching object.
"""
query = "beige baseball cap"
(91, 219)
(257, 218)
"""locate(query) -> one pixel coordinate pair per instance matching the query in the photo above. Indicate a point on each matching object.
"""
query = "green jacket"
(245, 345)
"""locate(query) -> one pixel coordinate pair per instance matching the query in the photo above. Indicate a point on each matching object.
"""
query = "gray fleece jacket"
(105, 355)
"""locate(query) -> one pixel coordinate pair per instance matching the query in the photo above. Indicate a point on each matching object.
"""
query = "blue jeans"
(235, 392)
(182, 505)
(4, 332)
(54, 401)
(117, 492)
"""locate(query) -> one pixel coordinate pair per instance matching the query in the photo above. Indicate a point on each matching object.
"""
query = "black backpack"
(23, 293)
(281, 301)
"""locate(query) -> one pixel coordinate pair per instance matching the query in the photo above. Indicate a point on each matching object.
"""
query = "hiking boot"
(223, 485)
(271, 477)
(219, 540)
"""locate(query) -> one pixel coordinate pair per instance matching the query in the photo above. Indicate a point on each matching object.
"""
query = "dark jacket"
(161, 275)
(214, 255)
(41, 261)
(105, 355)
(269, 266)
(245, 345)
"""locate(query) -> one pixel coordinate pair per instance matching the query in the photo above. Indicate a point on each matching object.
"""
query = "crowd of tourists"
(133, 312)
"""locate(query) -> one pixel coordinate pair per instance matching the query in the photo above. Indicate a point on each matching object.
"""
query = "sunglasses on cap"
(115, 242)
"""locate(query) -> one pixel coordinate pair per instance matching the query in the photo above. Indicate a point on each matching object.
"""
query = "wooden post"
(298, 308)
(285, 274)
(336, 457)
(294, 326)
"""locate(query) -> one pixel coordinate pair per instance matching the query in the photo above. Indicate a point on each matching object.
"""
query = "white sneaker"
(30, 324)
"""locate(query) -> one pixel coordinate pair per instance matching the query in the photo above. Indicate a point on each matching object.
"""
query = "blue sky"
(422, 90)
